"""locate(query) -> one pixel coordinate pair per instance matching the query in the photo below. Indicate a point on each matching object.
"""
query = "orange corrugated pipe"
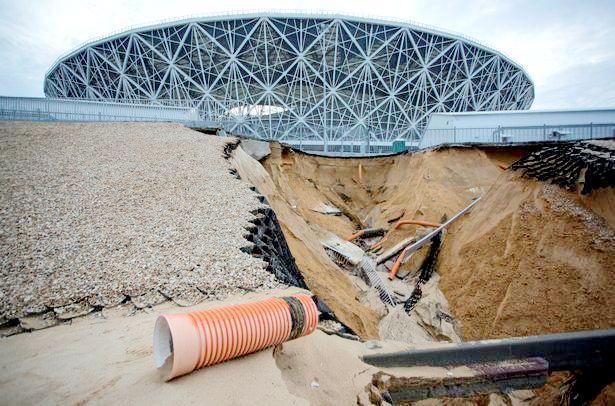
(397, 264)
(379, 243)
(356, 235)
(189, 341)
(417, 222)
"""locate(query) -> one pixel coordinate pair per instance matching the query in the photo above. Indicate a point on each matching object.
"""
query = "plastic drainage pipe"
(417, 222)
(189, 341)
(397, 264)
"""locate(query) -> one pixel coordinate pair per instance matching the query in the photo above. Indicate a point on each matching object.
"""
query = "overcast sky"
(567, 46)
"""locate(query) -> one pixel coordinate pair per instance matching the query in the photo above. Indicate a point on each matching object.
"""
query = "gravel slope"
(95, 214)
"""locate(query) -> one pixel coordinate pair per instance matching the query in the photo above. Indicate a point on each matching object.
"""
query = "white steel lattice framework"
(290, 77)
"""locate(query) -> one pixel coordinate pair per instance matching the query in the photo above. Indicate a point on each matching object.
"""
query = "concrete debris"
(468, 381)
(346, 249)
(399, 326)
(256, 149)
(326, 209)
(73, 310)
(123, 310)
(148, 299)
(109, 299)
(433, 315)
(39, 321)
(372, 344)
(187, 297)
(521, 397)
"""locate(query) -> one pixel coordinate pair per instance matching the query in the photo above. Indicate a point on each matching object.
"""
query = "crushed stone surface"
(92, 215)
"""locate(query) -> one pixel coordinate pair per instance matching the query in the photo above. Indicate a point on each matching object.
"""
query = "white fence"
(44, 109)
(522, 134)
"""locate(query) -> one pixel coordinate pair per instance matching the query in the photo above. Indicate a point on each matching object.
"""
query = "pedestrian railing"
(46, 109)
(511, 135)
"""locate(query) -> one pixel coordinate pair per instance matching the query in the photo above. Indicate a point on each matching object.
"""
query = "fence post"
(591, 131)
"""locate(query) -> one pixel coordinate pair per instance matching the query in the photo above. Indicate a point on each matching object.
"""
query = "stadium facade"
(321, 77)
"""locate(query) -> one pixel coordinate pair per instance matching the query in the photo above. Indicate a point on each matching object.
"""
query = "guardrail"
(510, 135)
(46, 109)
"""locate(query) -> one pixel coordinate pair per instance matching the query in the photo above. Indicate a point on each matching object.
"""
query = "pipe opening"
(163, 347)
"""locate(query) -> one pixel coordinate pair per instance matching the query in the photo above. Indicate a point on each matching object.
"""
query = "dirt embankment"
(422, 186)
(531, 258)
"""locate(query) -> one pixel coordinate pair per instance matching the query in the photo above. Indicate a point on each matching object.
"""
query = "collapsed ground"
(531, 258)
(80, 201)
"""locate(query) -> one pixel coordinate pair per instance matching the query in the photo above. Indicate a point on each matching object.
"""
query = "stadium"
(324, 78)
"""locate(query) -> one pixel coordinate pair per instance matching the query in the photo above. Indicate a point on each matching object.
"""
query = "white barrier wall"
(518, 126)
(523, 118)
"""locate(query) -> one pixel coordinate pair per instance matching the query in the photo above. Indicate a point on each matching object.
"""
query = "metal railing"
(45, 109)
(510, 135)
(342, 148)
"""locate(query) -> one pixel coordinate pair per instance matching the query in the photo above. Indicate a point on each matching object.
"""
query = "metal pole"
(591, 131)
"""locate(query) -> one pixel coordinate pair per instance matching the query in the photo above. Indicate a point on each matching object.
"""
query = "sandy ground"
(103, 361)
(422, 186)
(531, 259)
(99, 360)
(321, 274)
(93, 215)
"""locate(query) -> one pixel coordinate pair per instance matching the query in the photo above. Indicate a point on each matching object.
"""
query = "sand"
(531, 259)
(102, 361)
(99, 360)
(324, 278)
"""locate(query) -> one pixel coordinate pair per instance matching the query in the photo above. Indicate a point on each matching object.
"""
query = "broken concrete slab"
(73, 310)
(326, 209)
(472, 380)
(256, 149)
(346, 249)
(39, 321)
(433, 315)
(148, 299)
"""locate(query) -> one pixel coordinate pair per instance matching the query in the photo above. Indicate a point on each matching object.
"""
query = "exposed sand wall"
(531, 259)
(322, 275)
